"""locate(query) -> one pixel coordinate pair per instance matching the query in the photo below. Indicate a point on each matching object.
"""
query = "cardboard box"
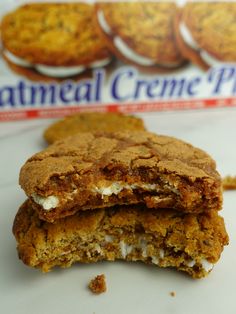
(59, 58)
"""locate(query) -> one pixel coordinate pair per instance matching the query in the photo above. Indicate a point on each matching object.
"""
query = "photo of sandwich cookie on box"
(141, 34)
(53, 41)
(205, 33)
(133, 196)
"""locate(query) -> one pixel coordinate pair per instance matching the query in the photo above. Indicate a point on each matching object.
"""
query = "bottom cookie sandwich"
(188, 242)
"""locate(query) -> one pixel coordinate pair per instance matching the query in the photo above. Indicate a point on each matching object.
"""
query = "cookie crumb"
(98, 284)
(229, 183)
(172, 293)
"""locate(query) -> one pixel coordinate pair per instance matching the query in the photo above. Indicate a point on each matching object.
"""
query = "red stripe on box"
(20, 114)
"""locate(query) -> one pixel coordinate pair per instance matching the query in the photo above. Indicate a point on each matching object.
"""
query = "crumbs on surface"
(172, 293)
(229, 183)
(98, 284)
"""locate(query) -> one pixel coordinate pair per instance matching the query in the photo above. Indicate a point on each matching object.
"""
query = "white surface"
(133, 288)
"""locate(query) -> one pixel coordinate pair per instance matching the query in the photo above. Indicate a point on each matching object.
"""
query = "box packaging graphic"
(58, 58)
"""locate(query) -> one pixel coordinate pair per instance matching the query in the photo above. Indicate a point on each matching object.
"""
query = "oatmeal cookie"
(188, 242)
(206, 32)
(92, 170)
(141, 33)
(55, 39)
(92, 122)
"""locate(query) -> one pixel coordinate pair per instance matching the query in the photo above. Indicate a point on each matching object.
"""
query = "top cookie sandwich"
(141, 33)
(89, 171)
(57, 39)
(206, 33)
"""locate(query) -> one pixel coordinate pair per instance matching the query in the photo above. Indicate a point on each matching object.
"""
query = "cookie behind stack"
(133, 196)
(92, 122)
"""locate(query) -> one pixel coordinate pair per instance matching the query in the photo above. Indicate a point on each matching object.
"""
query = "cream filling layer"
(100, 63)
(117, 187)
(54, 71)
(187, 37)
(130, 54)
(189, 40)
(59, 71)
(47, 203)
(126, 249)
(123, 48)
(207, 266)
(53, 201)
(103, 23)
(16, 60)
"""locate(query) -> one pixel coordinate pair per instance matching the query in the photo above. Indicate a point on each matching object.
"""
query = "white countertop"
(132, 287)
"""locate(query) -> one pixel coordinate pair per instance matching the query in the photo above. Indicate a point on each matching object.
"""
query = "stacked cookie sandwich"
(135, 196)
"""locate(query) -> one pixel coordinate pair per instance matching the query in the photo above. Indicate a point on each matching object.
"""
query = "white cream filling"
(55, 71)
(114, 188)
(47, 203)
(145, 186)
(191, 263)
(155, 260)
(124, 49)
(52, 199)
(161, 253)
(125, 249)
(103, 23)
(207, 266)
(109, 238)
(189, 40)
(130, 54)
(209, 59)
(187, 37)
(143, 246)
(16, 60)
(121, 45)
(51, 202)
(100, 63)
(117, 187)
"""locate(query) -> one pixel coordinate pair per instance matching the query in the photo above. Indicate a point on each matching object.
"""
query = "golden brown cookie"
(88, 171)
(188, 242)
(141, 33)
(55, 39)
(206, 33)
(92, 122)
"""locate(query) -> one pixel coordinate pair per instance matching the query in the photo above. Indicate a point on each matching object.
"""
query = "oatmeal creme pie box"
(58, 58)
